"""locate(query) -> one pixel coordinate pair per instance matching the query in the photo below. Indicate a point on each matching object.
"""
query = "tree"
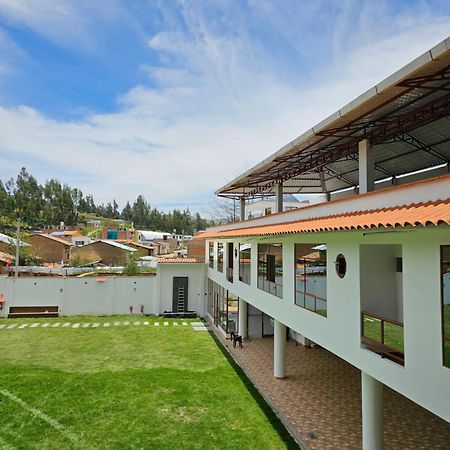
(131, 269)
(127, 213)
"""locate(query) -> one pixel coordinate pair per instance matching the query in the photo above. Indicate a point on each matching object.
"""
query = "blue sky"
(172, 99)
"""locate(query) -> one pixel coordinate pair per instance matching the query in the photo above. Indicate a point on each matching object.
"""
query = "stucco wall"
(81, 296)
(197, 289)
(423, 379)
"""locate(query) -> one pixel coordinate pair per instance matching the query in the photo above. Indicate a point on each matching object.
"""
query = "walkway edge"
(286, 423)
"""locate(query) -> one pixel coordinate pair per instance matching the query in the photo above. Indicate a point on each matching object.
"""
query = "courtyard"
(126, 382)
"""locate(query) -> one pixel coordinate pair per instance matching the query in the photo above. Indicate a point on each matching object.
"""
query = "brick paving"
(321, 400)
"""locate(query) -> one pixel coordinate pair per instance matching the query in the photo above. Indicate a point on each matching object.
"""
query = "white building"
(266, 205)
(366, 273)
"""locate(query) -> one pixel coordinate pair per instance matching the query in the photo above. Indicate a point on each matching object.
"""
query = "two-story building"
(366, 273)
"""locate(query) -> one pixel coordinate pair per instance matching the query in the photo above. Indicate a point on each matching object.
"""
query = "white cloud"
(220, 105)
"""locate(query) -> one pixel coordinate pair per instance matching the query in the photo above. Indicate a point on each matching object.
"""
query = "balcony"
(383, 336)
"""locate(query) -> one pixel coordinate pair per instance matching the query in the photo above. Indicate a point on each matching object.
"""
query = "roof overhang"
(406, 117)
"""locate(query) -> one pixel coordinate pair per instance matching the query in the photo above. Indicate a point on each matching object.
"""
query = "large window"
(223, 307)
(311, 277)
(270, 268)
(230, 261)
(211, 254)
(220, 256)
(445, 295)
(244, 263)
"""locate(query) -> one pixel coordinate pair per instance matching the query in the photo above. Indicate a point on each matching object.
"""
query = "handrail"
(385, 319)
(316, 297)
(386, 349)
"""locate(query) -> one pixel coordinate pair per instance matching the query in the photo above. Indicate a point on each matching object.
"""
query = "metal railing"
(271, 287)
(383, 336)
(244, 276)
(315, 299)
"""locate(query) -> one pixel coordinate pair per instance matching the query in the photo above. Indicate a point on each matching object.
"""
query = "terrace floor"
(318, 389)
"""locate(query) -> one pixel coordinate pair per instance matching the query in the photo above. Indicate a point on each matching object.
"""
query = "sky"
(172, 99)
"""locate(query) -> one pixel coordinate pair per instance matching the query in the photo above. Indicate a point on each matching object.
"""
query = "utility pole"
(16, 268)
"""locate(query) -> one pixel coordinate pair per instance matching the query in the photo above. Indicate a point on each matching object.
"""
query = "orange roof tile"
(178, 260)
(431, 213)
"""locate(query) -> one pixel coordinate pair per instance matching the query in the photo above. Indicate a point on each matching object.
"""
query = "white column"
(279, 197)
(279, 350)
(242, 208)
(372, 412)
(366, 167)
(243, 311)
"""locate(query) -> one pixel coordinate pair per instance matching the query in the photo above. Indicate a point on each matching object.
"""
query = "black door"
(180, 294)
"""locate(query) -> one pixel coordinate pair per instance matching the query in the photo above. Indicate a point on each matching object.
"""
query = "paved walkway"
(321, 399)
(52, 323)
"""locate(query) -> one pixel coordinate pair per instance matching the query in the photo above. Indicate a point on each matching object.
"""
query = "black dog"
(236, 339)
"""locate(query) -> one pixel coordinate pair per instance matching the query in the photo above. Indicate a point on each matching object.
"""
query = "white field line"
(5, 446)
(39, 414)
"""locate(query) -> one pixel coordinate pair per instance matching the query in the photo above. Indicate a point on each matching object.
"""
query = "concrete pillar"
(242, 208)
(279, 350)
(243, 313)
(366, 167)
(278, 197)
(372, 412)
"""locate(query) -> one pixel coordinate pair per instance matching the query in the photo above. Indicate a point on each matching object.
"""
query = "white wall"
(197, 288)
(428, 190)
(81, 296)
(423, 379)
(379, 281)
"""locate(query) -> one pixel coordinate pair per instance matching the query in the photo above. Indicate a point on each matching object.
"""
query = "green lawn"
(126, 387)
(393, 334)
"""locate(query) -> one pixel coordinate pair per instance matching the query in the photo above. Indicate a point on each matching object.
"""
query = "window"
(220, 256)
(244, 263)
(311, 277)
(223, 307)
(211, 255)
(341, 266)
(230, 261)
(445, 298)
(270, 268)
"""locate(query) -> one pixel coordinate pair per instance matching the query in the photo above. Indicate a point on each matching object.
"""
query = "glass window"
(445, 296)
(244, 263)
(341, 266)
(211, 254)
(230, 261)
(270, 268)
(311, 277)
(233, 312)
(220, 256)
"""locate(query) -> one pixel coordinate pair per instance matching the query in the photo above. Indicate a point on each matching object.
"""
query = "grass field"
(127, 387)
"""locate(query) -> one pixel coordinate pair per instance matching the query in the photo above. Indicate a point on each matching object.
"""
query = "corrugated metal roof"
(420, 214)
(409, 109)
(52, 238)
(115, 244)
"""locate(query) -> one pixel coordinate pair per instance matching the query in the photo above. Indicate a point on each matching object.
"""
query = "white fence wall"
(82, 296)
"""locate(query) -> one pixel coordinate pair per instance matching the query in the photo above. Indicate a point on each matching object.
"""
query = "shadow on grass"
(265, 407)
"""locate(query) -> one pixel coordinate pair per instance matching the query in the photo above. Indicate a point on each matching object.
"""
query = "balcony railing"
(271, 287)
(244, 276)
(311, 302)
(383, 336)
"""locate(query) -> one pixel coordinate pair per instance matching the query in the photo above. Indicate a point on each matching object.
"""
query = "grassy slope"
(125, 387)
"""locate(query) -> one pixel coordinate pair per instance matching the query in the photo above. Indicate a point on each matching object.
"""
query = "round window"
(341, 266)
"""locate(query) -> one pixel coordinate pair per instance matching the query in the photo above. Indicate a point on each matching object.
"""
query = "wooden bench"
(33, 311)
